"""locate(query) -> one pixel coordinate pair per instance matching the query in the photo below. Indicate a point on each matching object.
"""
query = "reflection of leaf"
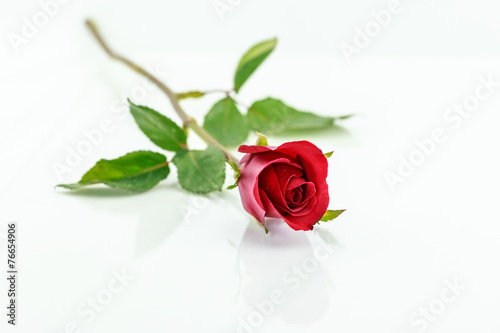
(154, 225)
(327, 237)
(232, 244)
(139, 221)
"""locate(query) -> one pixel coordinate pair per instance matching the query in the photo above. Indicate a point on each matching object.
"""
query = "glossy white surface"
(200, 264)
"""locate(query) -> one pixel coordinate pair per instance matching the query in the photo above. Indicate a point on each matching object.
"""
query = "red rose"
(287, 182)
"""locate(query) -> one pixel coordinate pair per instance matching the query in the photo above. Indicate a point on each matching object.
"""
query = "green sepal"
(331, 215)
(261, 140)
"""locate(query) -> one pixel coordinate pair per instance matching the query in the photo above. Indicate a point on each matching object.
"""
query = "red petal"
(271, 210)
(268, 182)
(310, 157)
(286, 172)
(248, 185)
(307, 222)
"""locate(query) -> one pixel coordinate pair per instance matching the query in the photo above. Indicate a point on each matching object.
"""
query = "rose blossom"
(287, 182)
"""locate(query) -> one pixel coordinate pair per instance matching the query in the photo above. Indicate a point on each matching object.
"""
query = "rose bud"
(286, 182)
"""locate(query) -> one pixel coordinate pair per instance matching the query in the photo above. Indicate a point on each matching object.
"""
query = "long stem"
(186, 120)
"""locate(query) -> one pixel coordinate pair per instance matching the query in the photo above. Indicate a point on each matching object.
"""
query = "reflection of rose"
(283, 262)
(287, 182)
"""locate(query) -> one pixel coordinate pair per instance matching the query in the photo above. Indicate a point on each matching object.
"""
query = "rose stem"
(186, 120)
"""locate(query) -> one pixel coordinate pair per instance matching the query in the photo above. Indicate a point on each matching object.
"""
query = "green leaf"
(331, 215)
(251, 60)
(200, 171)
(190, 94)
(329, 154)
(261, 140)
(162, 131)
(137, 172)
(226, 124)
(347, 116)
(272, 116)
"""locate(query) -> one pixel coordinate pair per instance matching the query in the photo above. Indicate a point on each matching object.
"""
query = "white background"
(200, 264)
